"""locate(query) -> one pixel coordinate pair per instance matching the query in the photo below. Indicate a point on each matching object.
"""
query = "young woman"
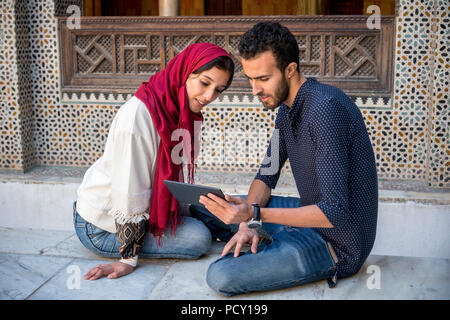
(123, 208)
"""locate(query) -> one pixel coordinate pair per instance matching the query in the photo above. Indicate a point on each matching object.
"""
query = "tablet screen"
(186, 193)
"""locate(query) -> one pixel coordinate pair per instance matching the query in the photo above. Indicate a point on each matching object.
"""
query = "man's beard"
(281, 94)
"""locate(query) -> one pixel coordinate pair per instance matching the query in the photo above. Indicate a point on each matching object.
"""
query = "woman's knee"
(197, 237)
(94, 239)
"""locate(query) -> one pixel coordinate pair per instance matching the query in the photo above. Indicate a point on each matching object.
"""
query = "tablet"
(187, 193)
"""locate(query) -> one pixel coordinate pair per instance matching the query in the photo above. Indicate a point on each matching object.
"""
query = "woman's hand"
(237, 211)
(244, 235)
(112, 271)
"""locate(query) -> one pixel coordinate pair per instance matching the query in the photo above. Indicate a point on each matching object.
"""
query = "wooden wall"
(92, 8)
(269, 7)
(386, 6)
(249, 7)
(192, 8)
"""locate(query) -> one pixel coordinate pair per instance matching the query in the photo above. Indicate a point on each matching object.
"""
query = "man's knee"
(221, 279)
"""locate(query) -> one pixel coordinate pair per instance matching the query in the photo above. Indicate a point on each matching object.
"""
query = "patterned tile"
(40, 125)
(417, 61)
(439, 162)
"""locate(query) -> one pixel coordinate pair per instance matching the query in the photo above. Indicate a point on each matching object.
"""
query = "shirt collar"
(294, 111)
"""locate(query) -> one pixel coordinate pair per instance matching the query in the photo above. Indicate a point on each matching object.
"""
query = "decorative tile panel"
(421, 75)
(439, 154)
(29, 78)
(10, 148)
(235, 133)
(51, 127)
(17, 150)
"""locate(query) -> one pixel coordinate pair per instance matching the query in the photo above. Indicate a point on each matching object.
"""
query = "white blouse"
(118, 186)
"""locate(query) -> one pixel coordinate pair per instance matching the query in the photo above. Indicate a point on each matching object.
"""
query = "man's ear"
(291, 69)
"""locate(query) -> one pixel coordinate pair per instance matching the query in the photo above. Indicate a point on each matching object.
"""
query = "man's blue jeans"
(192, 240)
(296, 256)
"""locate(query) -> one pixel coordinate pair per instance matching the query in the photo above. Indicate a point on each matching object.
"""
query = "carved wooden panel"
(117, 54)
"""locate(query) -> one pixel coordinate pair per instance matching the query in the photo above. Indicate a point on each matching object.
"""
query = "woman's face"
(205, 87)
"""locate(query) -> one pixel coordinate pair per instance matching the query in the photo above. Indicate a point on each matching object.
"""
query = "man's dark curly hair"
(265, 36)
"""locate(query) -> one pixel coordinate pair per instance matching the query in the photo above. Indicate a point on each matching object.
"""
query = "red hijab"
(166, 99)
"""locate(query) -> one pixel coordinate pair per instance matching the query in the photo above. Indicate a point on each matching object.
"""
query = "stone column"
(17, 150)
(29, 82)
(422, 65)
(169, 7)
(439, 148)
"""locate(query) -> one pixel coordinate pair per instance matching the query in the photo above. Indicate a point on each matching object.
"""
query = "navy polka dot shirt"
(325, 139)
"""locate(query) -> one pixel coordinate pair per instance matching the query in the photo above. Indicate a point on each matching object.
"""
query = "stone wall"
(41, 126)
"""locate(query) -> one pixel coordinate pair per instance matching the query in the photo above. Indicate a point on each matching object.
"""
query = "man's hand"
(236, 212)
(112, 271)
(244, 235)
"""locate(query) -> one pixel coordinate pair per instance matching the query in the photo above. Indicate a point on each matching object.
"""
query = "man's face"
(267, 81)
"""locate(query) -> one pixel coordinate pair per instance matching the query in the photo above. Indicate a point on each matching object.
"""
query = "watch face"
(254, 224)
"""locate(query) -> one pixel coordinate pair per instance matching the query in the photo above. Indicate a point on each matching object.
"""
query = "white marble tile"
(45, 205)
(400, 278)
(177, 286)
(46, 275)
(216, 248)
(71, 247)
(21, 275)
(69, 284)
(186, 280)
(30, 241)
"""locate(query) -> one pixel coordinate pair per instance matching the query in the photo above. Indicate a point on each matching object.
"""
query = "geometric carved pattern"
(118, 55)
(359, 62)
(355, 57)
(338, 56)
(350, 56)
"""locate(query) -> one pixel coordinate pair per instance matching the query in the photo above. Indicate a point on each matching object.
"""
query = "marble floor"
(49, 265)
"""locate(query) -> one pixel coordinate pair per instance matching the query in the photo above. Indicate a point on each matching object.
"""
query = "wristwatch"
(256, 222)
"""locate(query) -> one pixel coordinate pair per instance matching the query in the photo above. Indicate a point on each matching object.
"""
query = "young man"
(329, 232)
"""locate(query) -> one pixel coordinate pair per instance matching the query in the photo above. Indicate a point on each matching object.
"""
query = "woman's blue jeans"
(192, 240)
(295, 256)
